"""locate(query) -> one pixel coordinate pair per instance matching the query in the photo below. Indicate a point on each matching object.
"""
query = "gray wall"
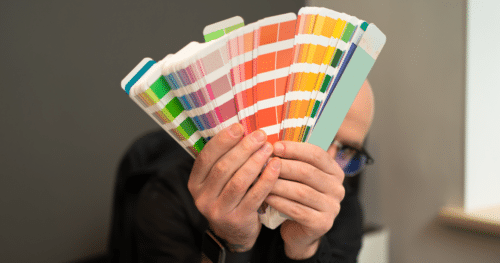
(65, 122)
(417, 137)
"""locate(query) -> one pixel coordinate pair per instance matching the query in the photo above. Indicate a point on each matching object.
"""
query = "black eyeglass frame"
(358, 154)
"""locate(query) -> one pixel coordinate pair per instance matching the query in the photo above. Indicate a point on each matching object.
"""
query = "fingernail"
(236, 130)
(266, 148)
(279, 148)
(259, 136)
(276, 165)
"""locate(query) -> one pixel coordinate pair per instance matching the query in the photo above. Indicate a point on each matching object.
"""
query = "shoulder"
(159, 169)
(154, 155)
(154, 150)
(155, 145)
(157, 163)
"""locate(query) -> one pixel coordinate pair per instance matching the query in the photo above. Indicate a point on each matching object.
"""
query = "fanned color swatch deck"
(279, 74)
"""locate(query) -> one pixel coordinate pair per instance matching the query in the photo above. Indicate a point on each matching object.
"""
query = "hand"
(221, 184)
(309, 190)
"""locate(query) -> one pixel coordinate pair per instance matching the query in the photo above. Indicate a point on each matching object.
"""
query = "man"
(221, 191)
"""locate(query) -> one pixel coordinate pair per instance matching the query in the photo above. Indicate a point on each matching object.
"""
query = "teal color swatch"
(342, 98)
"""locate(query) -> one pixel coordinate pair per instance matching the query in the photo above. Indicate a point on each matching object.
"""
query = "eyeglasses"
(352, 160)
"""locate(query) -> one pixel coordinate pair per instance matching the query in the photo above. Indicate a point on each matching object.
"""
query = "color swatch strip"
(275, 49)
(276, 74)
(152, 93)
(221, 28)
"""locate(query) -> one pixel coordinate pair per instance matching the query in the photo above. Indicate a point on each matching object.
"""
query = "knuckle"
(337, 171)
(326, 224)
(198, 205)
(301, 169)
(253, 163)
(341, 175)
(221, 167)
(317, 173)
(201, 205)
(305, 169)
(301, 193)
(330, 159)
(224, 137)
(191, 186)
(257, 161)
(296, 212)
(213, 214)
(341, 192)
(247, 145)
(254, 197)
(260, 156)
(234, 221)
(317, 155)
(318, 198)
(336, 209)
(237, 185)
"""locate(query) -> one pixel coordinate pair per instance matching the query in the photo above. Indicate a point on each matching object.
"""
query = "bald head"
(358, 120)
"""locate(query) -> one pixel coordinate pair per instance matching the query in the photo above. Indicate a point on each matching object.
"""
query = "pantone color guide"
(279, 74)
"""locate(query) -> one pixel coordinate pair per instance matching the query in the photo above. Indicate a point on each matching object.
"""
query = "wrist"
(234, 246)
(237, 243)
(301, 251)
(218, 250)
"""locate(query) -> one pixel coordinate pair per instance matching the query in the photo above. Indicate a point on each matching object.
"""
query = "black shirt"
(161, 222)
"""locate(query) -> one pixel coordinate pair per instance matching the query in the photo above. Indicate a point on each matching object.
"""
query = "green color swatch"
(221, 32)
(198, 145)
(152, 96)
(187, 128)
(173, 109)
(349, 29)
(315, 109)
(214, 35)
(336, 58)
(306, 133)
(326, 81)
(160, 87)
(232, 28)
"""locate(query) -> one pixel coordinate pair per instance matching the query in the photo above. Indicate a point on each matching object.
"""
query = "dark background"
(65, 121)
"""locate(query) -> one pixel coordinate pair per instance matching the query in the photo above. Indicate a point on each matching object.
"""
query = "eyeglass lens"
(350, 161)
